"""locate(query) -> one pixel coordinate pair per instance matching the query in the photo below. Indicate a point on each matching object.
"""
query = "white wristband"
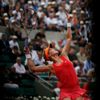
(68, 24)
(28, 56)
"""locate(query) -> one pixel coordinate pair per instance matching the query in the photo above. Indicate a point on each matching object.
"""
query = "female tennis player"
(63, 68)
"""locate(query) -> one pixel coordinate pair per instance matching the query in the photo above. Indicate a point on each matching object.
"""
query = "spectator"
(18, 33)
(51, 20)
(36, 55)
(83, 30)
(13, 42)
(15, 53)
(44, 3)
(18, 70)
(4, 45)
(72, 56)
(74, 19)
(90, 85)
(36, 43)
(14, 16)
(40, 35)
(34, 21)
(40, 12)
(62, 16)
(18, 67)
(81, 54)
(12, 3)
(26, 41)
(5, 19)
(82, 41)
(66, 6)
(79, 70)
(82, 15)
(88, 64)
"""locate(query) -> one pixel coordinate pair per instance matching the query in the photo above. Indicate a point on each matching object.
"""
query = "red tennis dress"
(69, 83)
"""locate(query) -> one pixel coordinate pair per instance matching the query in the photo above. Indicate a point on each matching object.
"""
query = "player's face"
(53, 53)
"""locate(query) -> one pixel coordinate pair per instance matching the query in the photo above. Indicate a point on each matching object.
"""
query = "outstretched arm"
(32, 67)
(68, 38)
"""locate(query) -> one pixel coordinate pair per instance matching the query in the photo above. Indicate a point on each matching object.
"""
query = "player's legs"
(79, 98)
(66, 99)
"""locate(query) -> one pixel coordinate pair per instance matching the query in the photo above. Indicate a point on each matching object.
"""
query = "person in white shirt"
(14, 16)
(83, 30)
(62, 16)
(40, 12)
(44, 3)
(66, 6)
(51, 21)
(81, 54)
(13, 42)
(18, 67)
(36, 56)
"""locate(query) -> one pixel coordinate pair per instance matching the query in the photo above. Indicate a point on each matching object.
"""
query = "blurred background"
(35, 24)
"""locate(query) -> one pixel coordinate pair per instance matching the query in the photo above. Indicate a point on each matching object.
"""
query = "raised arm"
(68, 39)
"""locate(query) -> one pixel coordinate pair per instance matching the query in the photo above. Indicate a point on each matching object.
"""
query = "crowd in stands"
(43, 15)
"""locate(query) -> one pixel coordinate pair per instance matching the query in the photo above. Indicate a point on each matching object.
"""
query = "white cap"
(29, 2)
(81, 22)
(14, 12)
(40, 8)
(74, 11)
(21, 9)
(57, 14)
(12, 21)
(5, 14)
(71, 1)
(42, 3)
(53, 2)
(70, 15)
(14, 37)
(82, 12)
